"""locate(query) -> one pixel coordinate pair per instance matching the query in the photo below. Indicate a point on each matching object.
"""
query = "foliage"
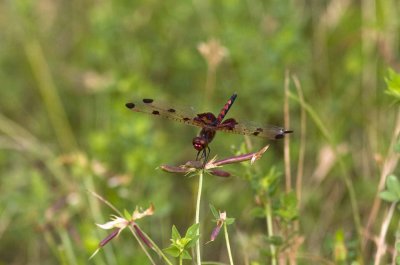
(68, 68)
(180, 245)
(392, 192)
(393, 84)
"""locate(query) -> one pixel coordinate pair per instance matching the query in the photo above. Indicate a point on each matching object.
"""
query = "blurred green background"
(69, 67)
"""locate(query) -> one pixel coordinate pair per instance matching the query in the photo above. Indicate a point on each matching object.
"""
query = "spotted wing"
(160, 109)
(249, 128)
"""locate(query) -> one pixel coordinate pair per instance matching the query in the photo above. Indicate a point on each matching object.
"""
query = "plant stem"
(157, 249)
(51, 98)
(288, 175)
(180, 260)
(381, 246)
(197, 221)
(388, 166)
(228, 245)
(67, 249)
(142, 246)
(270, 230)
(396, 252)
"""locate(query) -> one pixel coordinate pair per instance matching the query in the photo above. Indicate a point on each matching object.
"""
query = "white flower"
(116, 222)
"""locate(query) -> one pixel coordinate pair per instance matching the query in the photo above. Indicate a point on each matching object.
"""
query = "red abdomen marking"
(225, 109)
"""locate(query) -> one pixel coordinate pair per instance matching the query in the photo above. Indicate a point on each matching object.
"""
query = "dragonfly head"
(199, 143)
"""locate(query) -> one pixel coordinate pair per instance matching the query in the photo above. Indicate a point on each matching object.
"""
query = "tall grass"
(68, 68)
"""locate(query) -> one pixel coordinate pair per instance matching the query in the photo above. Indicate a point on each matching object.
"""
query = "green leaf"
(127, 215)
(398, 246)
(183, 242)
(274, 240)
(214, 211)
(186, 255)
(258, 212)
(287, 207)
(175, 233)
(393, 84)
(393, 185)
(229, 221)
(268, 183)
(172, 251)
(388, 196)
(192, 231)
(192, 242)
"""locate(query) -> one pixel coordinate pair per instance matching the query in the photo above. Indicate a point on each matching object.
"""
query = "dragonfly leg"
(203, 155)
(198, 153)
(206, 154)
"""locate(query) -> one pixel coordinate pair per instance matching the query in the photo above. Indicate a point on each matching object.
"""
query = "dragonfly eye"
(199, 143)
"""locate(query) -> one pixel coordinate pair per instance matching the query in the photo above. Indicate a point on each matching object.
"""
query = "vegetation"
(72, 154)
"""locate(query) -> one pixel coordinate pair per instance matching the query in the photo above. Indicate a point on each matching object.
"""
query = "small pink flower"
(220, 221)
(215, 233)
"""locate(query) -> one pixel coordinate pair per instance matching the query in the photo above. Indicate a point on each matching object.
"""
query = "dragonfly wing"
(155, 108)
(249, 128)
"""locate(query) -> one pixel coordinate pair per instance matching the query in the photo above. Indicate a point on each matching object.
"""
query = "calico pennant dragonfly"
(208, 123)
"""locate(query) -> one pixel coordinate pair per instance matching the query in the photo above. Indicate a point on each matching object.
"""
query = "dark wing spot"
(130, 105)
(171, 110)
(259, 129)
(147, 100)
(186, 119)
(256, 133)
(155, 112)
(279, 136)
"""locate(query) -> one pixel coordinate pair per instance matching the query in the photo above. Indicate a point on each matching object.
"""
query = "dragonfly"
(208, 122)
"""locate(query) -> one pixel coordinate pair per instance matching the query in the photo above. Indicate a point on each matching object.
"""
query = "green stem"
(381, 248)
(142, 246)
(51, 98)
(157, 249)
(67, 249)
(396, 252)
(228, 245)
(270, 230)
(197, 221)
(180, 259)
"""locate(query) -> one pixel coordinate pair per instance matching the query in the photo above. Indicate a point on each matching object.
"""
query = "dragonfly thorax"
(206, 135)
